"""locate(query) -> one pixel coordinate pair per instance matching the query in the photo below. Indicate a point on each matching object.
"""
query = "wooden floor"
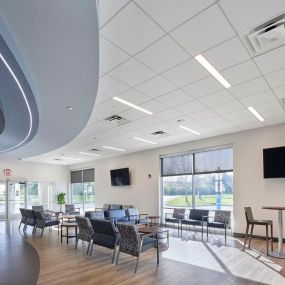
(186, 261)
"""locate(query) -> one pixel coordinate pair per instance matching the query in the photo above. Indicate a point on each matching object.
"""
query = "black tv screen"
(274, 162)
(120, 177)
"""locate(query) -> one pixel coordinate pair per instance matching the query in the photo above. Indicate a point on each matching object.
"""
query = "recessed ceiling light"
(71, 158)
(69, 108)
(139, 139)
(113, 148)
(210, 68)
(87, 153)
(255, 113)
(132, 105)
(189, 130)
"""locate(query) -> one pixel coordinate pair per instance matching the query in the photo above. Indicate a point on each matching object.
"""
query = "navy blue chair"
(119, 216)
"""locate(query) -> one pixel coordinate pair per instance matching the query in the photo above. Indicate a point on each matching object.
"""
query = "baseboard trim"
(241, 235)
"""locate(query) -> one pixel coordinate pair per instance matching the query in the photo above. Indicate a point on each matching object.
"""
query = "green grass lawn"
(206, 200)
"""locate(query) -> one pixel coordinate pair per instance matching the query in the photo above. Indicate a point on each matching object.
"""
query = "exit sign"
(7, 172)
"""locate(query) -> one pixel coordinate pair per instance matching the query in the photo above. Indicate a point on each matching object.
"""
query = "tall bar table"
(278, 253)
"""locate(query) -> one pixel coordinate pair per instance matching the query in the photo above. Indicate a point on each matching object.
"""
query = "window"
(83, 189)
(198, 180)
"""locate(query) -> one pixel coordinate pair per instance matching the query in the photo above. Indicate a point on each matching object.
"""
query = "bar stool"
(250, 221)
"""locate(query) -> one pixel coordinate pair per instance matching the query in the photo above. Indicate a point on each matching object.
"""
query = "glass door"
(3, 200)
(16, 197)
(34, 196)
(83, 196)
(89, 196)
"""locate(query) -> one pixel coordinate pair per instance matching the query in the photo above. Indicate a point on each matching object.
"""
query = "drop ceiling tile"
(110, 55)
(172, 14)
(168, 114)
(273, 115)
(280, 91)
(215, 121)
(190, 107)
(156, 86)
(132, 114)
(110, 86)
(134, 96)
(258, 98)
(238, 115)
(276, 78)
(149, 121)
(154, 106)
(245, 15)
(241, 72)
(132, 72)
(186, 73)
(274, 105)
(200, 33)
(217, 98)
(108, 8)
(271, 61)
(275, 121)
(203, 87)
(203, 115)
(132, 30)
(111, 107)
(227, 54)
(250, 125)
(174, 98)
(163, 54)
(100, 98)
(249, 87)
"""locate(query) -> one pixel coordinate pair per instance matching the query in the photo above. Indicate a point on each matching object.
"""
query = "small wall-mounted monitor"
(274, 162)
(120, 177)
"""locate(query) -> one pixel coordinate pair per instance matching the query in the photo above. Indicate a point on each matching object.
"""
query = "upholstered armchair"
(134, 216)
(42, 222)
(71, 210)
(86, 232)
(23, 218)
(175, 217)
(98, 214)
(133, 243)
(47, 213)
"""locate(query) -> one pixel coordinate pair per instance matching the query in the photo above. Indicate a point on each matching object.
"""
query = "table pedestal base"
(276, 254)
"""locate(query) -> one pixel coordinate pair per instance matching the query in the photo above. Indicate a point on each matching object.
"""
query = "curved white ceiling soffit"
(51, 57)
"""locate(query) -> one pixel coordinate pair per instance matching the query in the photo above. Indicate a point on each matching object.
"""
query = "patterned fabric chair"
(98, 214)
(42, 222)
(132, 243)
(222, 220)
(23, 218)
(40, 208)
(175, 218)
(70, 209)
(86, 232)
(30, 219)
(105, 234)
(134, 216)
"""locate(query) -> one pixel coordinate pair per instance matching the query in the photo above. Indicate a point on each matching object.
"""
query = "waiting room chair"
(86, 232)
(47, 213)
(42, 222)
(30, 219)
(250, 221)
(98, 214)
(105, 234)
(222, 220)
(133, 243)
(134, 216)
(23, 218)
(119, 216)
(71, 210)
(175, 218)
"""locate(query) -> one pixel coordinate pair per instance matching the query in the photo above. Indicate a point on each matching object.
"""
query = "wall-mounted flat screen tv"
(274, 162)
(120, 177)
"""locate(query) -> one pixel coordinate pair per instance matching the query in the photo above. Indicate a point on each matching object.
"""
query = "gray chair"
(222, 220)
(30, 219)
(86, 232)
(134, 216)
(250, 221)
(71, 210)
(133, 243)
(42, 222)
(40, 208)
(105, 234)
(98, 214)
(175, 218)
(23, 218)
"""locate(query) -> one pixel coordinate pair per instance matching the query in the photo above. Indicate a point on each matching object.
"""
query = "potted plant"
(61, 199)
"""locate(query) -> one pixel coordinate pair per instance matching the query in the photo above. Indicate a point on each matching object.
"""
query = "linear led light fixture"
(26, 102)
(255, 113)
(113, 148)
(189, 130)
(88, 153)
(132, 105)
(210, 68)
(143, 140)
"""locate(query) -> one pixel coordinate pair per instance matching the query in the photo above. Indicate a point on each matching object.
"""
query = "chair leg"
(246, 235)
(118, 255)
(267, 250)
(20, 225)
(207, 232)
(42, 232)
(271, 237)
(91, 249)
(157, 252)
(252, 226)
(137, 263)
(114, 254)
(76, 243)
(89, 244)
(225, 234)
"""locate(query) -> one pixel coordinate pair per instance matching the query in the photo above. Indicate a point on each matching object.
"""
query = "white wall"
(37, 172)
(250, 189)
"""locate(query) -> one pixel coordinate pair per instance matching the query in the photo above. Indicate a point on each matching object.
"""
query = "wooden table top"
(69, 224)
(273, 208)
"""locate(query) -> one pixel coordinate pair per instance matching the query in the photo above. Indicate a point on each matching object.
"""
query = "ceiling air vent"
(266, 36)
(94, 149)
(159, 134)
(117, 120)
